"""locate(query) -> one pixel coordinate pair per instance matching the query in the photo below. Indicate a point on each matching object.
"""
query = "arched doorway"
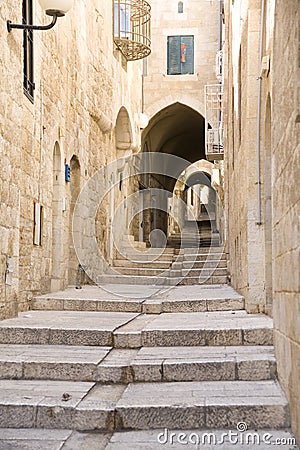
(176, 130)
(193, 208)
(57, 228)
(74, 192)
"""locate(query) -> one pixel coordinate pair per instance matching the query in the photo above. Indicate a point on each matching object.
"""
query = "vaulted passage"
(178, 131)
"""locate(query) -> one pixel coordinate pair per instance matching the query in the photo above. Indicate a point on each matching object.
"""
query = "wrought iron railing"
(132, 28)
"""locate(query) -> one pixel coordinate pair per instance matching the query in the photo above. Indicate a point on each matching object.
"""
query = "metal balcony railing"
(132, 28)
(214, 148)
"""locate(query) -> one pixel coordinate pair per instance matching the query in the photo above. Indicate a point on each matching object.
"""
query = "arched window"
(180, 7)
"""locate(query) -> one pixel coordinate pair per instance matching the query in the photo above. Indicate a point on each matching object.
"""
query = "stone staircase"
(195, 235)
(136, 264)
(102, 370)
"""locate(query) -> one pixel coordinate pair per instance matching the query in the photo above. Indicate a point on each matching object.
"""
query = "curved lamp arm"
(24, 26)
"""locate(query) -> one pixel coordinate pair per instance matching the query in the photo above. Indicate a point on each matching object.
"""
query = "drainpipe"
(220, 25)
(258, 132)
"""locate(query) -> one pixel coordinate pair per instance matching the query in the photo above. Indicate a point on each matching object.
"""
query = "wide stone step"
(150, 299)
(141, 271)
(165, 364)
(190, 280)
(202, 257)
(144, 257)
(138, 280)
(184, 405)
(131, 330)
(206, 263)
(196, 329)
(151, 272)
(202, 405)
(148, 364)
(162, 265)
(205, 272)
(63, 327)
(175, 278)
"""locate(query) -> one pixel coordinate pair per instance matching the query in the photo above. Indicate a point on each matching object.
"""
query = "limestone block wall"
(200, 19)
(264, 242)
(81, 83)
(286, 201)
(245, 233)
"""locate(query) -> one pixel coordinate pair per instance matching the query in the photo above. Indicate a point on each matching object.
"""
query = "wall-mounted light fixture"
(54, 8)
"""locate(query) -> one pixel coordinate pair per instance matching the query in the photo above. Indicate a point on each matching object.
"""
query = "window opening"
(180, 55)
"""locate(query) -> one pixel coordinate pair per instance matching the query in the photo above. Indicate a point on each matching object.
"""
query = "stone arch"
(187, 100)
(57, 226)
(123, 130)
(75, 182)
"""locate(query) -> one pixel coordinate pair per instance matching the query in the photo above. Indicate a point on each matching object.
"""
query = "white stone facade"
(81, 84)
(263, 169)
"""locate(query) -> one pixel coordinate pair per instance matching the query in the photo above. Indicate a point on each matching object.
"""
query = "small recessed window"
(180, 7)
(38, 221)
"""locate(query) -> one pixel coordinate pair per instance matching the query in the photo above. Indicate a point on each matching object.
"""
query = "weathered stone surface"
(64, 327)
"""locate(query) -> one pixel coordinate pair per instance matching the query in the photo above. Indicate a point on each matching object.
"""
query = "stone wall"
(262, 198)
(81, 84)
(286, 201)
(200, 19)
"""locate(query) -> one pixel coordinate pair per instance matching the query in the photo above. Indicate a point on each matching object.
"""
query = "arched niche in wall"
(57, 226)
(123, 131)
(74, 192)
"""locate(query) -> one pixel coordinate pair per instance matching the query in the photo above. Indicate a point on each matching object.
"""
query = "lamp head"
(56, 7)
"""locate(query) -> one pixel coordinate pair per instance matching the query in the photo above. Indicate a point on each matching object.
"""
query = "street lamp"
(54, 8)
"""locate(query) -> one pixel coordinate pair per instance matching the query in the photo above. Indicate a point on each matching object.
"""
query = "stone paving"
(76, 375)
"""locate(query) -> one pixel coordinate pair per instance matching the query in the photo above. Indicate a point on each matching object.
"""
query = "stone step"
(137, 280)
(166, 364)
(150, 272)
(143, 264)
(202, 405)
(135, 245)
(187, 280)
(195, 264)
(196, 329)
(131, 330)
(63, 327)
(175, 278)
(142, 257)
(151, 300)
(203, 250)
(86, 406)
(43, 439)
(205, 272)
(204, 257)
(51, 362)
(148, 364)
(141, 271)
(199, 264)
